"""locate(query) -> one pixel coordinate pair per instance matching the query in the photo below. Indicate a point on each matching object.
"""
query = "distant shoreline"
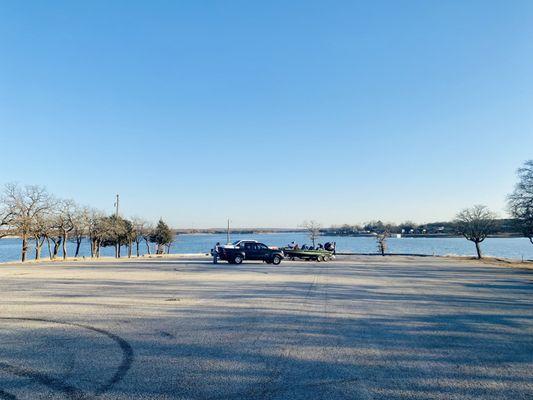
(236, 231)
(426, 235)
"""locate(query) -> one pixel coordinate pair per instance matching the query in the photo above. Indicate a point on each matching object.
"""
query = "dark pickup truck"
(242, 250)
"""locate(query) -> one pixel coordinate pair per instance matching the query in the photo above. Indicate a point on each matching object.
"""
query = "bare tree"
(42, 228)
(5, 220)
(146, 235)
(168, 246)
(80, 222)
(130, 235)
(56, 238)
(66, 210)
(475, 224)
(139, 231)
(96, 230)
(24, 205)
(313, 229)
(520, 202)
(381, 239)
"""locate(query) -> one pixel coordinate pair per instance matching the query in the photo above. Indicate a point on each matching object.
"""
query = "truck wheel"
(237, 260)
(320, 258)
(276, 260)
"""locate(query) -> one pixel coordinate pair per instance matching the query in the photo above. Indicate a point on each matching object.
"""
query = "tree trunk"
(37, 249)
(137, 246)
(147, 246)
(65, 237)
(38, 245)
(78, 245)
(49, 248)
(57, 244)
(130, 244)
(478, 250)
(24, 247)
(94, 247)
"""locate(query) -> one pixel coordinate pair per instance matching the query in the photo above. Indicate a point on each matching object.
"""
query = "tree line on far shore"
(40, 219)
(502, 226)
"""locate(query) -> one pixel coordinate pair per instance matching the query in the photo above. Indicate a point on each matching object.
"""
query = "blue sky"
(269, 113)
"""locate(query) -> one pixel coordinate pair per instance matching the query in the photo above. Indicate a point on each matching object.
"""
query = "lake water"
(516, 248)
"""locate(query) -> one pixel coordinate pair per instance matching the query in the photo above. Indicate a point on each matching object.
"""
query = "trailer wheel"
(237, 260)
(320, 258)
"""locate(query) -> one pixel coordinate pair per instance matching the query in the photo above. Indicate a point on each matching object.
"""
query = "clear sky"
(268, 112)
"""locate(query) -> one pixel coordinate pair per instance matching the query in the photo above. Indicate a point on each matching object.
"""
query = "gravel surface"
(356, 328)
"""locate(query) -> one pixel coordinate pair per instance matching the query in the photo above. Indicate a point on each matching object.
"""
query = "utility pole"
(116, 206)
(227, 233)
(117, 245)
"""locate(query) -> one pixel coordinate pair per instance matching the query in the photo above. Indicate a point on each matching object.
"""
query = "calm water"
(516, 248)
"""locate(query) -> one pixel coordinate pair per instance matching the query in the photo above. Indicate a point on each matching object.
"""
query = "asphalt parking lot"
(359, 328)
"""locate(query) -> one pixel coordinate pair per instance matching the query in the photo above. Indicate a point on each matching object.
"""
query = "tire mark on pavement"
(53, 383)
(7, 396)
(122, 369)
